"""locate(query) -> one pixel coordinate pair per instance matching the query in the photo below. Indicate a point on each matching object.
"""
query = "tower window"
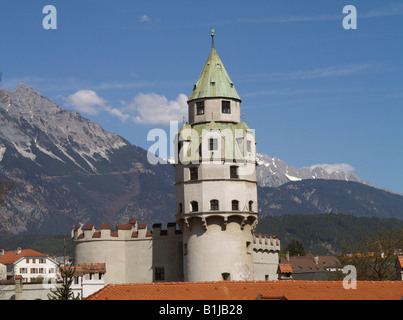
(248, 247)
(212, 83)
(226, 276)
(213, 144)
(251, 205)
(180, 208)
(159, 273)
(194, 173)
(225, 106)
(214, 205)
(249, 146)
(200, 107)
(235, 205)
(195, 206)
(233, 171)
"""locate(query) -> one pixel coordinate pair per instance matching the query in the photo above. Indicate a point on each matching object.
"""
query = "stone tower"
(215, 180)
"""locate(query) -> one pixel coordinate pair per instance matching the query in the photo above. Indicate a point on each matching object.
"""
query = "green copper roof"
(214, 80)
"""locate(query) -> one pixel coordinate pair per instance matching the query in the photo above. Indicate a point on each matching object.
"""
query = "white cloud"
(89, 102)
(144, 18)
(330, 168)
(153, 108)
(86, 101)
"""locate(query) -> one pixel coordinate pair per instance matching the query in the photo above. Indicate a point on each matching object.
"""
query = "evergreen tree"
(64, 292)
(295, 248)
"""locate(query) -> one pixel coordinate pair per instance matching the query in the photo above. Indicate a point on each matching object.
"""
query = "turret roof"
(214, 80)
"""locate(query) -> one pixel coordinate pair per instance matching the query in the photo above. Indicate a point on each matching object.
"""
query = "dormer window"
(225, 106)
(213, 144)
(200, 107)
(212, 84)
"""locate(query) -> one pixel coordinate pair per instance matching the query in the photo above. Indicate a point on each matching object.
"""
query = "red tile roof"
(285, 268)
(13, 256)
(250, 290)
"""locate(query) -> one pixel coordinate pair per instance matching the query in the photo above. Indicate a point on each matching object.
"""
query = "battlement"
(130, 231)
(264, 242)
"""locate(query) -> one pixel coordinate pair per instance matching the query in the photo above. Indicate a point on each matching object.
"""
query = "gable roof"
(214, 80)
(307, 263)
(13, 255)
(251, 290)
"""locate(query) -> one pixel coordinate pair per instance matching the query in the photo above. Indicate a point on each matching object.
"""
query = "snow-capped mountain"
(35, 128)
(273, 172)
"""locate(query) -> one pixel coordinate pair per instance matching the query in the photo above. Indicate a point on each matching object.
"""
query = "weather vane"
(212, 37)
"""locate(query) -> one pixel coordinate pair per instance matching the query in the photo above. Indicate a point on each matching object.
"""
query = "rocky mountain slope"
(68, 170)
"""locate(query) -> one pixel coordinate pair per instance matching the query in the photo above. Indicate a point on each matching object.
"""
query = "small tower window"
(226, 276)
(249, 146)
(194, 173)
(195, 206)
(235, 205)
(180, 208)
(251, 205)
(200, 107)
(214, 205)
(225, 106)
(212, 84)
(213, 144)
(159, 273)
(233, 172)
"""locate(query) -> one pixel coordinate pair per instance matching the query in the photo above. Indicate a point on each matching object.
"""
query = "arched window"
(251, 205)
(235, 205)
(214, 205)
(195, 206)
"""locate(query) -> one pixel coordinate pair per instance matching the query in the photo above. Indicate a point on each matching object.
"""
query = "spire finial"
(212, 37)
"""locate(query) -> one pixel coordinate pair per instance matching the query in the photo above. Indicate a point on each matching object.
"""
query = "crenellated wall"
(130, 252)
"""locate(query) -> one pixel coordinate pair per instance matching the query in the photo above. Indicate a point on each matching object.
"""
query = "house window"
(194, 173)
(235, 205)
(27, 260)
(195, 206)
(214, 205)
(251, 205)
(159, 273)
(225, 106)
(233, 172)
(41, 260)
(213, 144)
(200, 107)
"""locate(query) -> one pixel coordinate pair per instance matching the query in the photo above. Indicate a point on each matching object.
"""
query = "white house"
(29, 264)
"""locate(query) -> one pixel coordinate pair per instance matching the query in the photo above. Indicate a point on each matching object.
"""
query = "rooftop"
(251, 290)
(15, 255)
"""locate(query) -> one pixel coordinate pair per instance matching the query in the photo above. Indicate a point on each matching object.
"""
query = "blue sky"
(315, 92)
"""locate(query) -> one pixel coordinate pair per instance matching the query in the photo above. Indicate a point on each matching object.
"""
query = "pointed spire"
(214, 80)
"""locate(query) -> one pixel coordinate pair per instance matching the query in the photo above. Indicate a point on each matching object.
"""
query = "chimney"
(1, 252)
(316, 260)
(18, 250)
(287, 255)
